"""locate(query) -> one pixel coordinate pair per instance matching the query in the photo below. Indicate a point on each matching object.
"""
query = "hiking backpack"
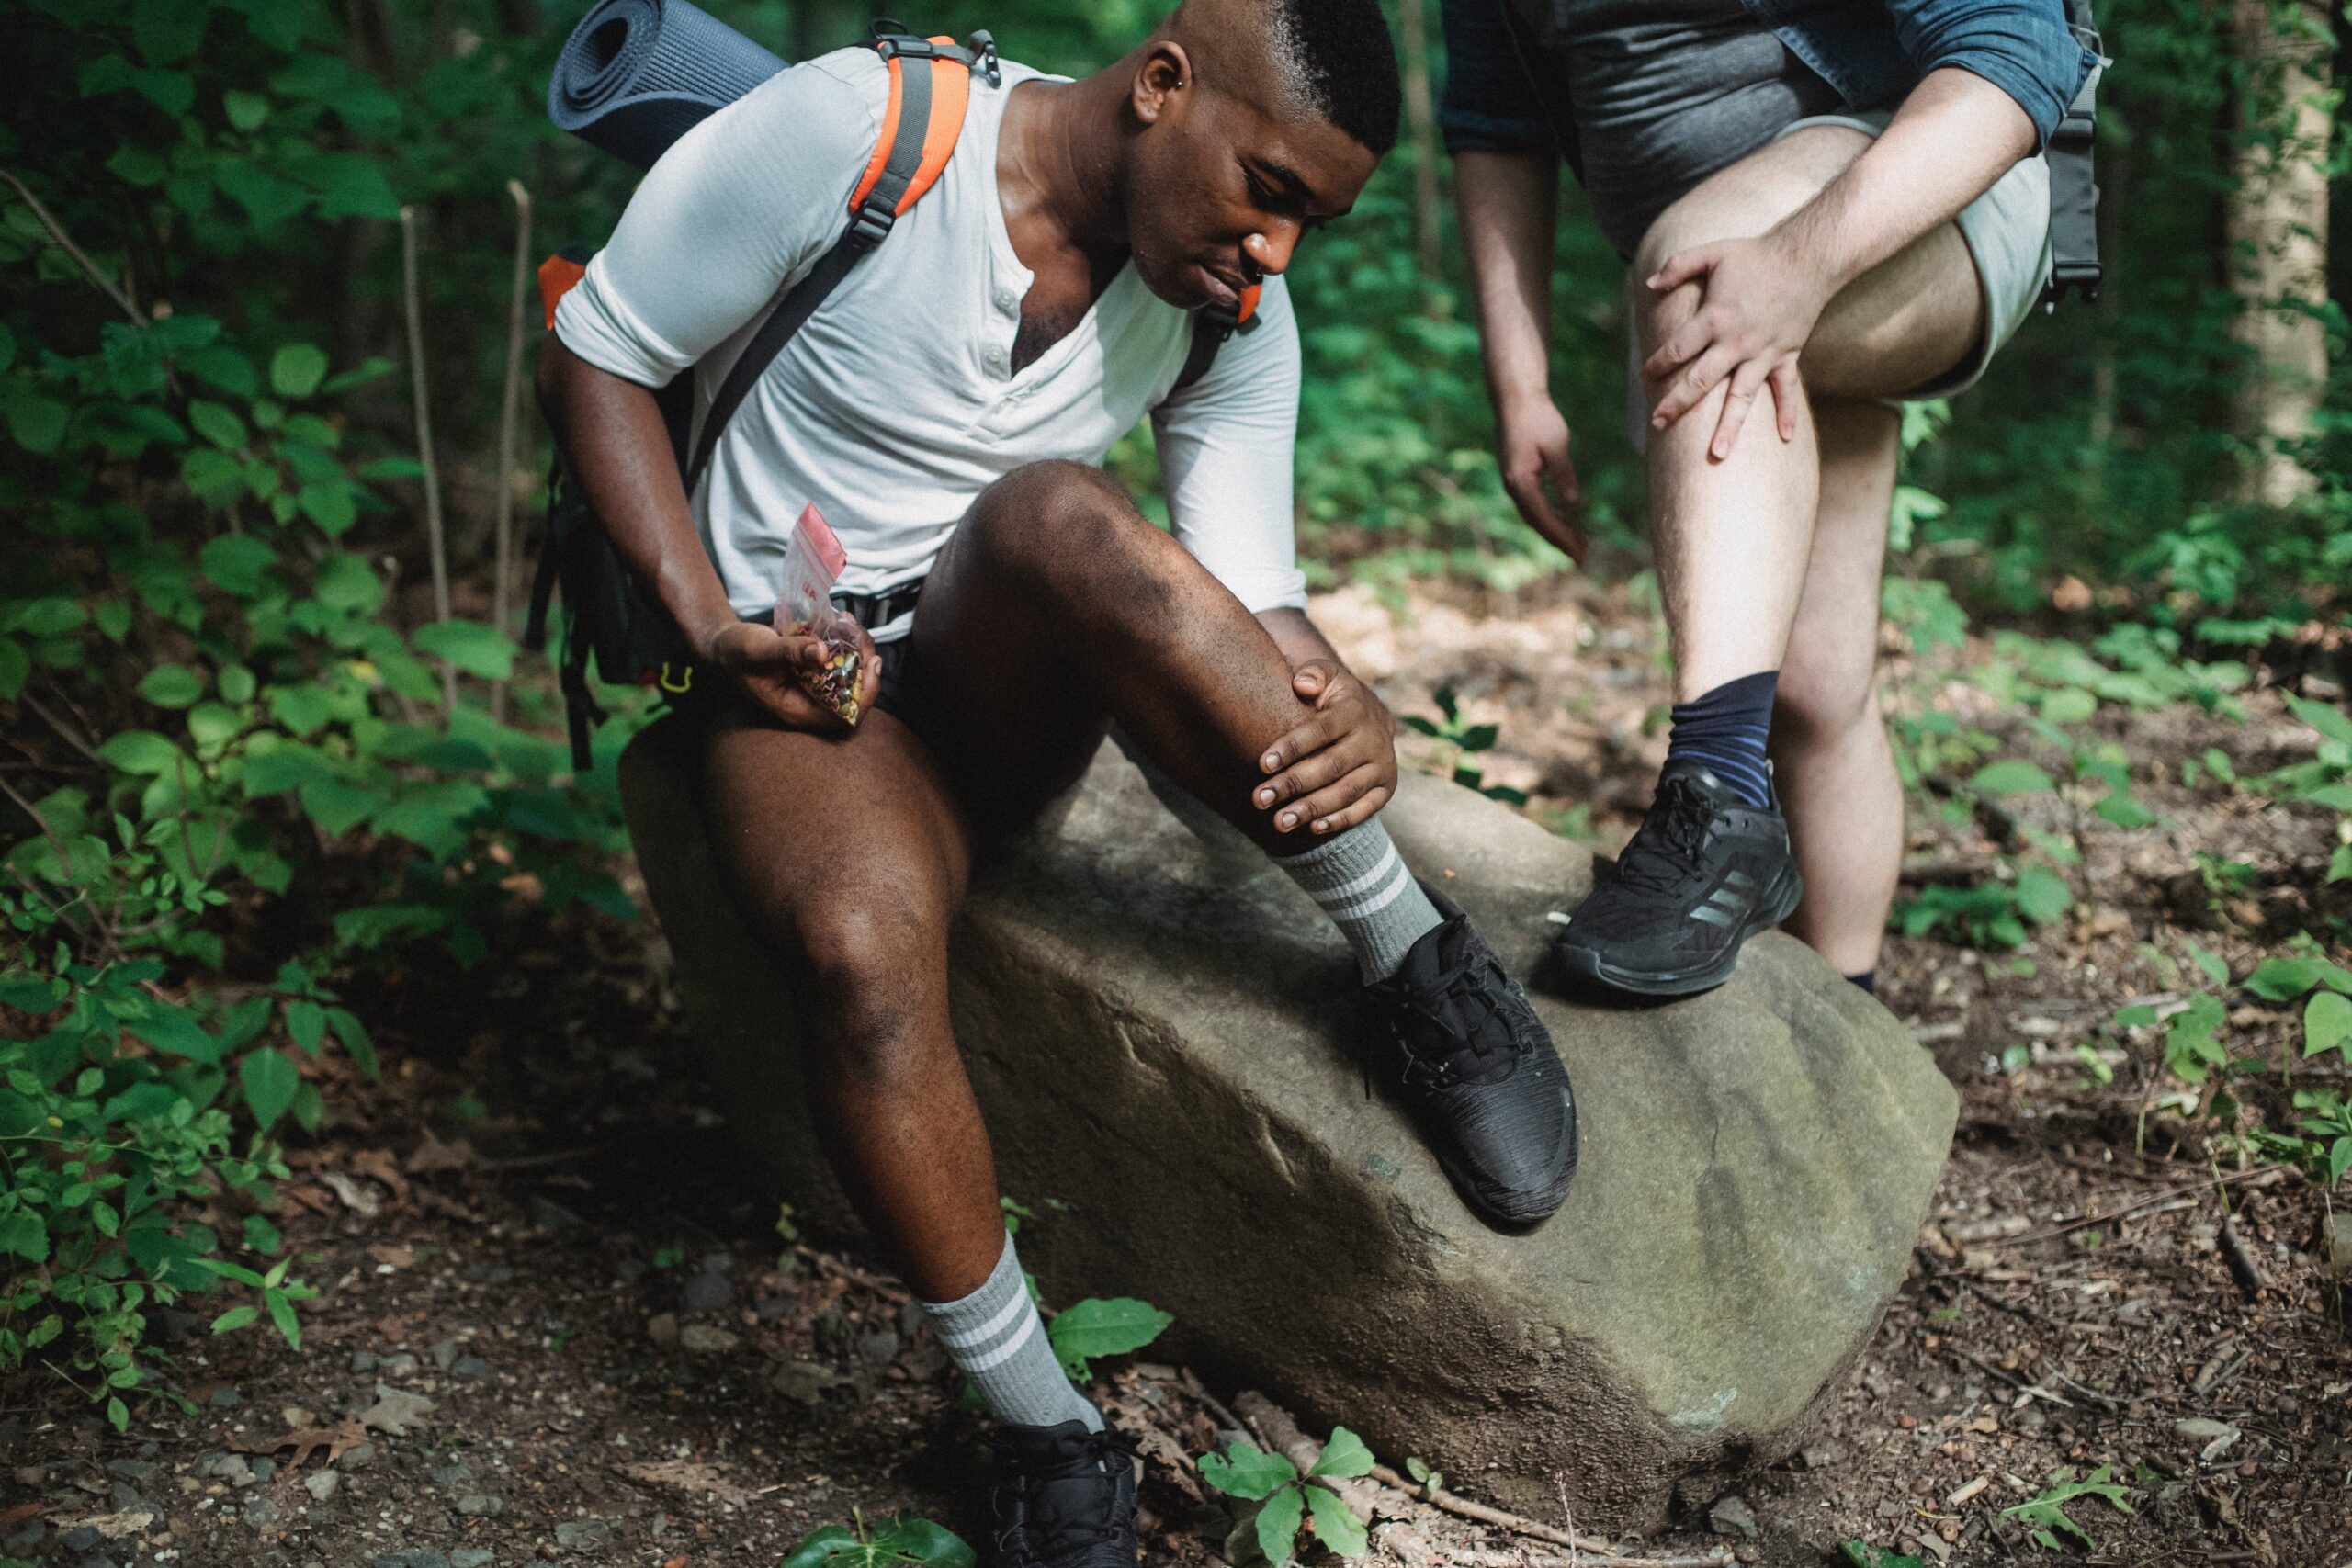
(608, 614)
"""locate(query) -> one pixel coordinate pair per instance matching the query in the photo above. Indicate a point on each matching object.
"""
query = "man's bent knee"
(1041, 517)
(873, 970)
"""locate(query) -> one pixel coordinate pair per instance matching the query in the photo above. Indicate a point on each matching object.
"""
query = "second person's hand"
(1531, 449)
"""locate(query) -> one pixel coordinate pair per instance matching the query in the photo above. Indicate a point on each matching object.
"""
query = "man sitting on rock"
(1840, 203)
(946, 409)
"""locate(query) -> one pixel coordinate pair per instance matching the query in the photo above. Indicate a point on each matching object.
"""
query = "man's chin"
(1188, 285)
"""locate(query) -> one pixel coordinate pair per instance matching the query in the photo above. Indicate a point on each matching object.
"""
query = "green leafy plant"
(900, 1539)
(2046, 1515)
(1468, 740)
(1286, 1497)
(1989, 914)
(1862, 1555)
(1095, 1326)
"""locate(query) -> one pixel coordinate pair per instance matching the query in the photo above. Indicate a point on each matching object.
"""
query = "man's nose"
(1271, 248)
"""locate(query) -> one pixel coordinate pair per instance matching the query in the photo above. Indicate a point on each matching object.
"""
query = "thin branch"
(57, 232)
(59, 724)
(503, 583)
(64, 855)
(437, 545)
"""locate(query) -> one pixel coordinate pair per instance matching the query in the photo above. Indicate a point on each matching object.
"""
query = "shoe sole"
(1652, 985)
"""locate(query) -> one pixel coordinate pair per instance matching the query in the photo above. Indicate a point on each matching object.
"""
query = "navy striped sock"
(1726, 731)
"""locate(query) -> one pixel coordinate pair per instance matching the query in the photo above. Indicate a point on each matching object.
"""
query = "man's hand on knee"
(1339, 767)
(1759, 300)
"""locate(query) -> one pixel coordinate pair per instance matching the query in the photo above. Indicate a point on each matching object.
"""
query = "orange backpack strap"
(930, 86)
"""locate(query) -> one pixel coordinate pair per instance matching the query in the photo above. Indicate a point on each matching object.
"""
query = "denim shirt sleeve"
(2022, 47)
(1488, 105)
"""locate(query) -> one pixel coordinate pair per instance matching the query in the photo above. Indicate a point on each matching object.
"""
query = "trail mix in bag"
(813, 562)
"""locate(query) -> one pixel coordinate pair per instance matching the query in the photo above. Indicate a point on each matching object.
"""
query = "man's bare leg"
(851, 855)
(1769, 559)
(1830, 756)
(1734, 537)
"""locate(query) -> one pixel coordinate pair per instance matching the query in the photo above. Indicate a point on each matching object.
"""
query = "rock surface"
(1159, 1030)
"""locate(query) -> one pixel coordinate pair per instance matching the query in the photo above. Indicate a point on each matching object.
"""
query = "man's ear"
(1165, 72)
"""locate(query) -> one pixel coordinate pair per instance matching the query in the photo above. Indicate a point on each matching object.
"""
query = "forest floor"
(552, 1328)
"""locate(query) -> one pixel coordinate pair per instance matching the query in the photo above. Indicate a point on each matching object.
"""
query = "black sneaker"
(1706, 871)
(1064, 1497)
(1460, 1045)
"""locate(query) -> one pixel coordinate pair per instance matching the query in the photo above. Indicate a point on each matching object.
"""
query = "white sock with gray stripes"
(1362, 883)
(995, 1336)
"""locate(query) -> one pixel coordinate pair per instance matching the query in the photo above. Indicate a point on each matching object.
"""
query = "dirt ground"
(552, 1328)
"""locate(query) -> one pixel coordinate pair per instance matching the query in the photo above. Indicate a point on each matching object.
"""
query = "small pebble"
(322, 1485)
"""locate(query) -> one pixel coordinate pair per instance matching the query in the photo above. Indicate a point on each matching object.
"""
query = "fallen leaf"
(379, 1165)
(114, 1526)
(687, 1475)
(311, 1198)
(359, 1200)
(308, 1440)
(433, 1154)
(397, 1256)
(395, 1411)
(19, 1514)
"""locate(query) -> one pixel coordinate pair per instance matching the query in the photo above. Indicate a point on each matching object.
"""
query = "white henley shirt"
(896, 403)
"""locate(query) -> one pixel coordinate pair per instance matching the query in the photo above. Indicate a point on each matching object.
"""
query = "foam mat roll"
(637, 74)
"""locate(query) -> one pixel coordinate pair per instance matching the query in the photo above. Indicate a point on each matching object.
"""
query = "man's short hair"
(1337, 57)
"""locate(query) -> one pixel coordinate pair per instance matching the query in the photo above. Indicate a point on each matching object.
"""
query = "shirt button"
(1006, 299)
(996, 359)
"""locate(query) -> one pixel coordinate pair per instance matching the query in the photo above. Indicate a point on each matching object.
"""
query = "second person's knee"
(1821, 710)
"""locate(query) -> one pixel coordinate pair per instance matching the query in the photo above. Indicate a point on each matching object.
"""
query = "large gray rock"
(1159, 1028)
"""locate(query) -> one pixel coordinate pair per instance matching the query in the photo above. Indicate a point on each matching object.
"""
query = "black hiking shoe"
(1064, 1497)
(1460, 1045)
(1705, 872)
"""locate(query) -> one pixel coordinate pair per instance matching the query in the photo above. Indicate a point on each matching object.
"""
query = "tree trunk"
(1421, 125)
(2278, 231)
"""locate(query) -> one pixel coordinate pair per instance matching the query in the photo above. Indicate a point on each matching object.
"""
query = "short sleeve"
(1226, 451)
(1488, 105)
(2023, 47)
(743, 204)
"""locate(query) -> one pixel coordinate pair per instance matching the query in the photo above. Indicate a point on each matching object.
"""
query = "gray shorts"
(2007, 233)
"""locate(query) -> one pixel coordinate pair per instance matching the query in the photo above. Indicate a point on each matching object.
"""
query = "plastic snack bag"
(812, 563)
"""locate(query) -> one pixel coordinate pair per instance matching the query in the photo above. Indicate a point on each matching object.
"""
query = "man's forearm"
(1508, 203)
(617, 450)
(1954, 136)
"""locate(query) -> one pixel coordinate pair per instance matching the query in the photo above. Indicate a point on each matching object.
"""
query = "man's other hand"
(1339, 767)
(1531, 441)
(769, 666)
(1757, 305)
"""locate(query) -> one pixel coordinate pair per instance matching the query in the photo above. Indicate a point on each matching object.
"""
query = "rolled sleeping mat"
(637, 74)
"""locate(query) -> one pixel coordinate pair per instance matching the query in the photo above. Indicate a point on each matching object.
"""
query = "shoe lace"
(1023, 1539)
(1665, 850)
(1464, 984)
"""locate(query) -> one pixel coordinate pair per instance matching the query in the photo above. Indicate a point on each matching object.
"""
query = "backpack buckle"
(870, 225)
(984, 63)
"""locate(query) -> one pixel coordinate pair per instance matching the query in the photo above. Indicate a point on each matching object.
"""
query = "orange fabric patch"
(557, 275)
